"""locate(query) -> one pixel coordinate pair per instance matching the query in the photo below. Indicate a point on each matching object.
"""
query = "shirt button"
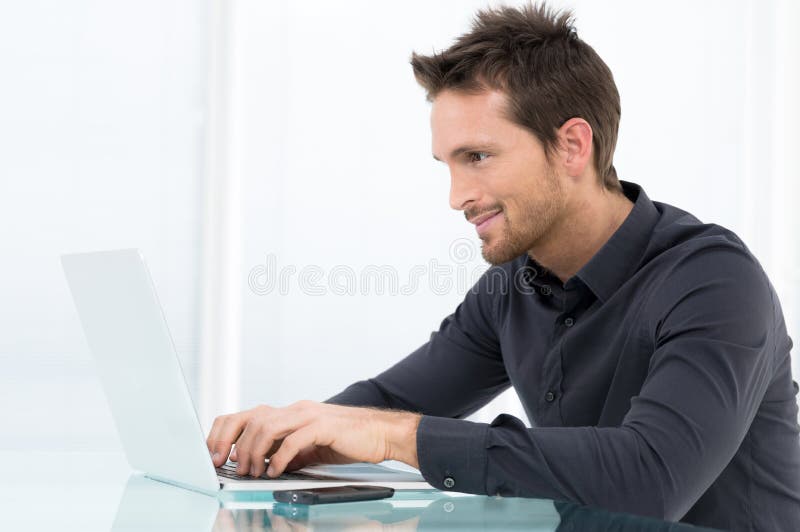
(550, 397)
(449, 482)
(569, 322)
(546, 290)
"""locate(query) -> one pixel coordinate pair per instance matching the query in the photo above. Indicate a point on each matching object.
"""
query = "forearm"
(611, 468)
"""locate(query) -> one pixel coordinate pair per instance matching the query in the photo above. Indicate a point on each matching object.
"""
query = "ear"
(575, 142)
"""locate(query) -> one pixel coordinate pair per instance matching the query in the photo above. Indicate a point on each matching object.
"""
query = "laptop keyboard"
(228, 470)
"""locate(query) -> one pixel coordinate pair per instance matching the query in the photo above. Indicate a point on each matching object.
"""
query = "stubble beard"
(537, 216)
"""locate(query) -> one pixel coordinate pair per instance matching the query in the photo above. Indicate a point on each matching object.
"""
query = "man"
(649, 349)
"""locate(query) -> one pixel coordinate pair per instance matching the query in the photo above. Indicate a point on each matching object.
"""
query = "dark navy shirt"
(657, 381)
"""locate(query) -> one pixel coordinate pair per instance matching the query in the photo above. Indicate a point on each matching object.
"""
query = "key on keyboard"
(228, 470)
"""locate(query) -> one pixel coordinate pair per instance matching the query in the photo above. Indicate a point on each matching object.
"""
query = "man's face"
(499, 174)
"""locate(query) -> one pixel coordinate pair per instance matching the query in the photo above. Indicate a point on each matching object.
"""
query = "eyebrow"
(466, 148)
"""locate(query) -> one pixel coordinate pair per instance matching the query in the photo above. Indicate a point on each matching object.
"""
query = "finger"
(212, 434)
(252, 446)
(244, 436)
(235, 454)
(257, 452)
(264, 431)
(263, 448)
(256, 444)
(291, 446)
(242, 452)
(227, 434)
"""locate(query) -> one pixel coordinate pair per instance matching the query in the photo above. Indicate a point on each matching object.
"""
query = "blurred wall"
(102, 110)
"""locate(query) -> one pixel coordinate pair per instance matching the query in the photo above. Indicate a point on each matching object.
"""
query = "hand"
(308, 432)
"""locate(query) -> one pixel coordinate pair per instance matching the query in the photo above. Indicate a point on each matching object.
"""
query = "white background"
(215, 135)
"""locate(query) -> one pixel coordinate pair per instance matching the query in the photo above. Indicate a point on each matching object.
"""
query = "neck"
(589, 221)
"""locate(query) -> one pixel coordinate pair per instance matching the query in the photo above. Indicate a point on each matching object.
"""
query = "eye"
(477, 156)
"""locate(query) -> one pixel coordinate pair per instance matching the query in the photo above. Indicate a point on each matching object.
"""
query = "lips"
(478, 220)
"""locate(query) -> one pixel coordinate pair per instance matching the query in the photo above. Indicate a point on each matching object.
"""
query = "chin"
(499, 253)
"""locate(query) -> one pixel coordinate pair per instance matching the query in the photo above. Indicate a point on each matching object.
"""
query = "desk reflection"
(151, 505)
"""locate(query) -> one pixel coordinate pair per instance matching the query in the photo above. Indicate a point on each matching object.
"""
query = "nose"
(463, 190)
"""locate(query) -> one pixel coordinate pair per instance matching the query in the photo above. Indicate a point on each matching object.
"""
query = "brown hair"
(549, 75)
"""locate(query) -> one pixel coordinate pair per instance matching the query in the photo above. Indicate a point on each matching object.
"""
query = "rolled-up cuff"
(452, 454)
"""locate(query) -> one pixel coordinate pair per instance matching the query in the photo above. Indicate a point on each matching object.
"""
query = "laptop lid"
(139, 369)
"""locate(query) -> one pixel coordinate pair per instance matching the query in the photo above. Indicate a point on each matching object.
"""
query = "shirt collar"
(620, 256)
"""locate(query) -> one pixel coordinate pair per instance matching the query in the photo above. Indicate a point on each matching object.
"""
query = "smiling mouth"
(479, 220)
(483, 223)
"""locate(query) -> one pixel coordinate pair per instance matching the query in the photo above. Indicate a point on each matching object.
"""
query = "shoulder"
(705, 272)
(682, 249)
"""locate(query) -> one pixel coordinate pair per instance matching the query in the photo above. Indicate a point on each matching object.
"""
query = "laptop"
(137, 364)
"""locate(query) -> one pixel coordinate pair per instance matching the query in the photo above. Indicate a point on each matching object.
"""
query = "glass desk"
(96, 491)
(151, 505)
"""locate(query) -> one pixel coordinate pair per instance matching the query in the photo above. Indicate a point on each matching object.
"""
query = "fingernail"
(215, 456)
(271, 471)
(253, 471)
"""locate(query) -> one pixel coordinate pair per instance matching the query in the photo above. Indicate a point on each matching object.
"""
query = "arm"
(711, 365)
(455, 373)
(307, 432)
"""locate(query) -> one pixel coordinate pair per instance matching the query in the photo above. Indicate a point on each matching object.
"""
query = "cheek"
(511, 189)
(510, 212)
(521, 208)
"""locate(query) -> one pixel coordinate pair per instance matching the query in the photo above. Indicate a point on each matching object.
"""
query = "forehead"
(476, 111)
(459, 118)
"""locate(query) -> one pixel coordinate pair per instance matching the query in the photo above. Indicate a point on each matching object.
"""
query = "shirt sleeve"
(453, 374)
(714, 342)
